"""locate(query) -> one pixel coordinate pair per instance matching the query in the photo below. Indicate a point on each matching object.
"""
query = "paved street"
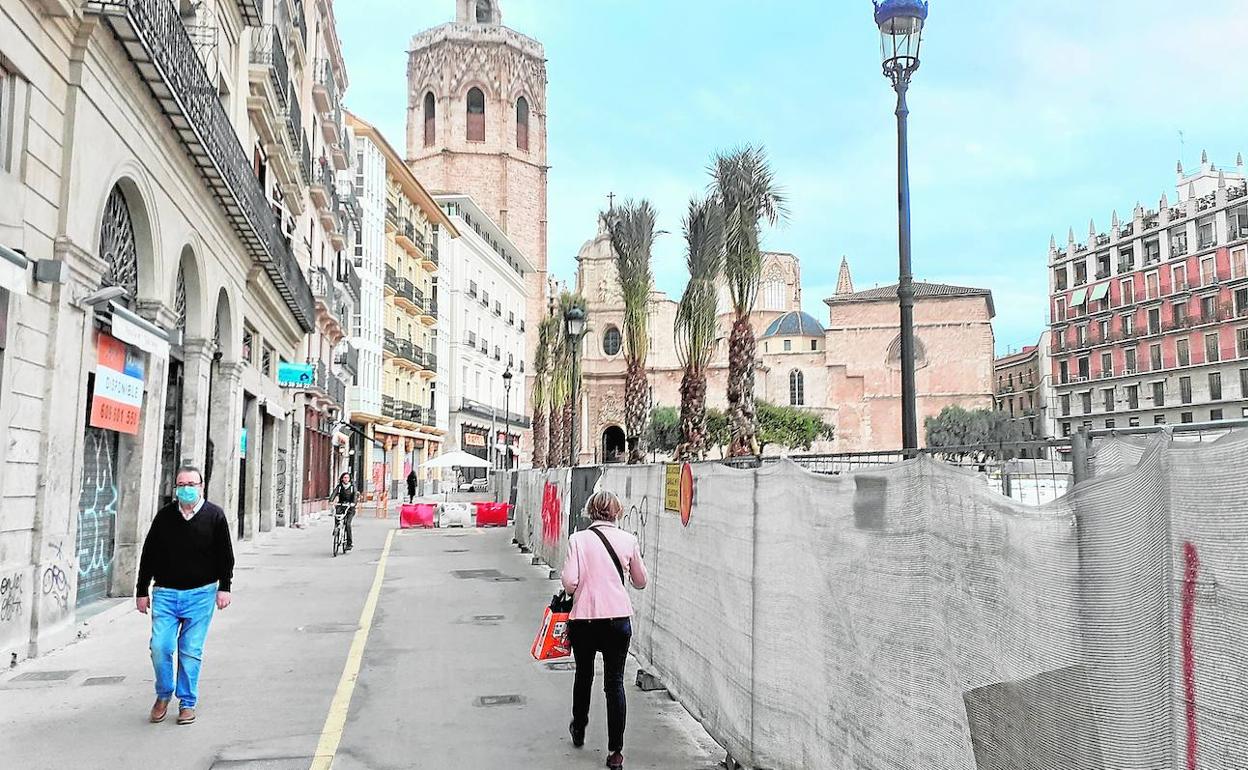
(438, 644)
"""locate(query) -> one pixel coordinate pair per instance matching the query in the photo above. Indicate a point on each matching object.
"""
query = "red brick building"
(1150, 320)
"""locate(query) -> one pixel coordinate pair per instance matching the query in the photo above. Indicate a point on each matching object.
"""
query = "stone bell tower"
(476, 124)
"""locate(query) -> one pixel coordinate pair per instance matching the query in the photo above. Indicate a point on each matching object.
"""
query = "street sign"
(671, 487)
(296, 375)
(118, 397)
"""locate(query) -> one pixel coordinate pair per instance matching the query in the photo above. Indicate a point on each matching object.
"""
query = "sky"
(1027, 119)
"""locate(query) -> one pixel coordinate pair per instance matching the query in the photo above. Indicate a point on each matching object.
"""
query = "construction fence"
(911, 616)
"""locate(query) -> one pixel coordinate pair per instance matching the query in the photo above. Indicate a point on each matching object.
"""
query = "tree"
(746, 190)
(718, 430)
(631, 227)
(958, 427)
(565, 380)
(664, 432)
(541, 389)
(696, 328)
(791, 427)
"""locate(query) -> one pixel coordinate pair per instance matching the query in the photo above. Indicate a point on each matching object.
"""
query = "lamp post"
(901, 34)
(574, 327)
(507, 375)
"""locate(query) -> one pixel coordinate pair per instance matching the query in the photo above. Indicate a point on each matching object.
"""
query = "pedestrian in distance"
(411, 485)
(601, 618)
(344, 495)
(189, 555)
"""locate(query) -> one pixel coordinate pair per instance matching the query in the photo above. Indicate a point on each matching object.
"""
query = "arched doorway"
(614, 446)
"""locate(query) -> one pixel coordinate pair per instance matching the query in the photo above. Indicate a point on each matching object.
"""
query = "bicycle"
(340, 533)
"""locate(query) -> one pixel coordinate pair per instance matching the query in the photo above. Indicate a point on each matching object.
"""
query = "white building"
(483, 312)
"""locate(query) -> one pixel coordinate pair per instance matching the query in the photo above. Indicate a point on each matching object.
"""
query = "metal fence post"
(1080, 448)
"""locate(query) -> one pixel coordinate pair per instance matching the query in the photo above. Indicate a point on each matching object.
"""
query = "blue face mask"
(188, 495)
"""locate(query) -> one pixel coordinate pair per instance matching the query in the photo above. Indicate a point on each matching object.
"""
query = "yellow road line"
(336, 720)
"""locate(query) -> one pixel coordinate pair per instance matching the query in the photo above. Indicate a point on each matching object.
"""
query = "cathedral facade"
(847, 370)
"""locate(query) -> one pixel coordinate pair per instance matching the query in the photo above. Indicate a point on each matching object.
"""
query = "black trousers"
(346, 521)
(611, 638)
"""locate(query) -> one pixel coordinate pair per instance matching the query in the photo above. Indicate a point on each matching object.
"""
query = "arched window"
(774, 295)
(431, 122)
(118, 247)
(522, 124)
(483, 11)
(797, 388)
(476, 115)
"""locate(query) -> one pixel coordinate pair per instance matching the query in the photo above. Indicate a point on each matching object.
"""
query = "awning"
(13, 274)
(1099, 293)
(140, 332)
(274, 409)
(1078, 297)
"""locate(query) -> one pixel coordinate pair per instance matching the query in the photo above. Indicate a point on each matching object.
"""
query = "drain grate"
(487, 620)
(489, 701)
(477, 574)
(99, 680)
(456, 550)
(564, 665)
(44, 676)
(507, 579)
(330, 628)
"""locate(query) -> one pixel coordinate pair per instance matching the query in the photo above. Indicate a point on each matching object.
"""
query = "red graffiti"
(552, 514)
(1192, 570)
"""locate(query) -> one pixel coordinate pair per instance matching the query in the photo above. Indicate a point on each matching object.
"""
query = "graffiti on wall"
(97, 512)
(552, 514)
(10, 597)
(635, 521)
(279, 486)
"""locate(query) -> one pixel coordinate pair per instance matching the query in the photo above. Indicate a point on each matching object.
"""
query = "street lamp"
(901, 34)
(507, 418)
(574, 327)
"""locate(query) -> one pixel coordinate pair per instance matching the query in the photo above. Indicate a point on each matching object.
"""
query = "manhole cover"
(477, 574)
(487, 620)
(329, 628)
(44, 676)
(98, 680)
(487, 701)
(507, 579)
(456, 550)
(565, 665)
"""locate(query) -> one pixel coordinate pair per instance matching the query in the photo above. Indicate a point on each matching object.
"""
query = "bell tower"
(476, 124)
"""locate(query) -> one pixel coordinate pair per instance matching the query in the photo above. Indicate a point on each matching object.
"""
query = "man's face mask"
(188, 494)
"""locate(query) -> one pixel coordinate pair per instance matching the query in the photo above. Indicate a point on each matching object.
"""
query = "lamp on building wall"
(901, 35)
(507, 375)
(574, 327)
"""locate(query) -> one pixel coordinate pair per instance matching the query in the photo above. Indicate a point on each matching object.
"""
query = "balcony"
(430, 363)
(337, 390)
(431, 260)
(391, 282)
(392, 217)
(326, 99)
(390, 407)
(407, 354)
(328, 304)
(405, 236)
(164, 56)
(498, 308)
(390, 344)
(405, 295)
(472, 339)
(472, 290)
(299, 27)
(514, 417)
(268, 57)
(305, 160)
(353, 282)
(348, 358)
(431, 311)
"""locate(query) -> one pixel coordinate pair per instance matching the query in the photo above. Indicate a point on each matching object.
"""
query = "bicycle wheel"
(337, 537)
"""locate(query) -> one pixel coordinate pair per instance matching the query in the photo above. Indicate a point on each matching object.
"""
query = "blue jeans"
(179, 626)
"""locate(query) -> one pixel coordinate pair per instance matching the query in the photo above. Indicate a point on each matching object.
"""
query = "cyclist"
(344, 496)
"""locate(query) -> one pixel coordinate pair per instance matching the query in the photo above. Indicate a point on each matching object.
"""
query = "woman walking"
(601, 617)
(411, 485)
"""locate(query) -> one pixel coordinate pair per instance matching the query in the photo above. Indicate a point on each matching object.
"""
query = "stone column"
(227, 404)
(255, 464)
(268, 471)
(196, 376)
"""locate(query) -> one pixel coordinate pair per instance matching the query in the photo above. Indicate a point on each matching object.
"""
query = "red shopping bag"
(552, 638)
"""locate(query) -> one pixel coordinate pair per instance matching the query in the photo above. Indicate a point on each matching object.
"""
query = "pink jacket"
(590, 575)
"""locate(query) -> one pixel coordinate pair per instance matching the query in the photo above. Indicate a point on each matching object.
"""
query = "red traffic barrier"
(418, 515)
(492, 514)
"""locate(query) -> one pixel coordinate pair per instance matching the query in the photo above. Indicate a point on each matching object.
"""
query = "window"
(1102, 266)
(1063, 371)
(249, 339)
(483, 11)
(1208, 272)
(1154, 321)
(1179, 276)
(1107, 364)
(1159, 394)
(1204, 233)
(611, 341)
(1108, 398)
(522, 124)
(1237, 221)
(1178, 312)
(1211, 348)
(1126, 259)
(1215, 415)
(1085, 400)
(1065, 429)
(1134, 422)
(1215, 386)
(1185, 417)
(1060, 278)
(8, 112)
(1159, 419)
(476, 115)
(1154, 356)
(431, 120)
(814, 345)
(1128, 325)
(1152, 286)
(1081, 336)
(1241, 344)
(1103, 330)
(1241, 303)
(266, 361)
(1243, 383)
(1152, 251)
(1133, 396)
(1061, 310)
(797, 388)
(1239, 263)
(1185, 390)
(1178, 241)
(788, 346)
(1184, 351)
(1128, 291)
(1110, 424)
(1081, 273)
(1208, 309)
(1083, 368)
(1064, 400)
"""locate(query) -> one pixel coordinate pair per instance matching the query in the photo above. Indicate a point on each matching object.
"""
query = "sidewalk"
(274, 659)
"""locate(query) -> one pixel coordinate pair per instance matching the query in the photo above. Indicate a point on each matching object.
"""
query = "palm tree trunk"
(636, 403)
(539, 438)
(741, 415)
(557, 443)
(692, 447)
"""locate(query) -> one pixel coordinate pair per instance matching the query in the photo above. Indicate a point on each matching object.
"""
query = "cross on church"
(611, 201)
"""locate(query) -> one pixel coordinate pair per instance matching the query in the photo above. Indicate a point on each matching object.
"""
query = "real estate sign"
(117, 401)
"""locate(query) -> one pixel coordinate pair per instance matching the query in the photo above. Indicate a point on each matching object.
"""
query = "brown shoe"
(616, 760)
(186, 716)
(160, 709)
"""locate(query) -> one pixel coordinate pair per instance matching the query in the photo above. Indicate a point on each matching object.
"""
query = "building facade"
(1150, 320)
(155, 173)
(477, 126)
(484, 306)
(847, 372)
(397, 410)
(1017, 390)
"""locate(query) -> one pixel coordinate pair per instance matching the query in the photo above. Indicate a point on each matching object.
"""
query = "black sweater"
(183, 554)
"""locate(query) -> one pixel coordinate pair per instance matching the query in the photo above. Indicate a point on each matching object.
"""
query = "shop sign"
(474, 439)
(118, 398)
(296, 375)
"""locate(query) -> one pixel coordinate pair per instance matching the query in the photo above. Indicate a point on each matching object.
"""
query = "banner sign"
(671, 487)
(474, 439)
(296, 375)
(118, 398)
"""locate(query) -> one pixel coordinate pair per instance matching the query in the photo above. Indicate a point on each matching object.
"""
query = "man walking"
(190, 557)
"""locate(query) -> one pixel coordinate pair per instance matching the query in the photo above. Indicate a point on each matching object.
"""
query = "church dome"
(794, 324)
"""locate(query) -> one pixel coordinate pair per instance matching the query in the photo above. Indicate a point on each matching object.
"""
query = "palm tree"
(558, 393)
(631, 227)
(746, 189)
(541, 390)
(695, 321)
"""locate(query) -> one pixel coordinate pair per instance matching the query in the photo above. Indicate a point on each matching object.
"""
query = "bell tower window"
(483, 12)
(476, 115)
(522, 124)
(431, 122)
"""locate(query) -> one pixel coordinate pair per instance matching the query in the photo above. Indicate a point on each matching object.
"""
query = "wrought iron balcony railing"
(392, 278)
(430, 363)
(391, 343)
(353, 282)
(268, 50)
(513, 416)
(392, 214)
(294, 119)
(305, 160)
(157, 43)
(348, 358)
(323, 288)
